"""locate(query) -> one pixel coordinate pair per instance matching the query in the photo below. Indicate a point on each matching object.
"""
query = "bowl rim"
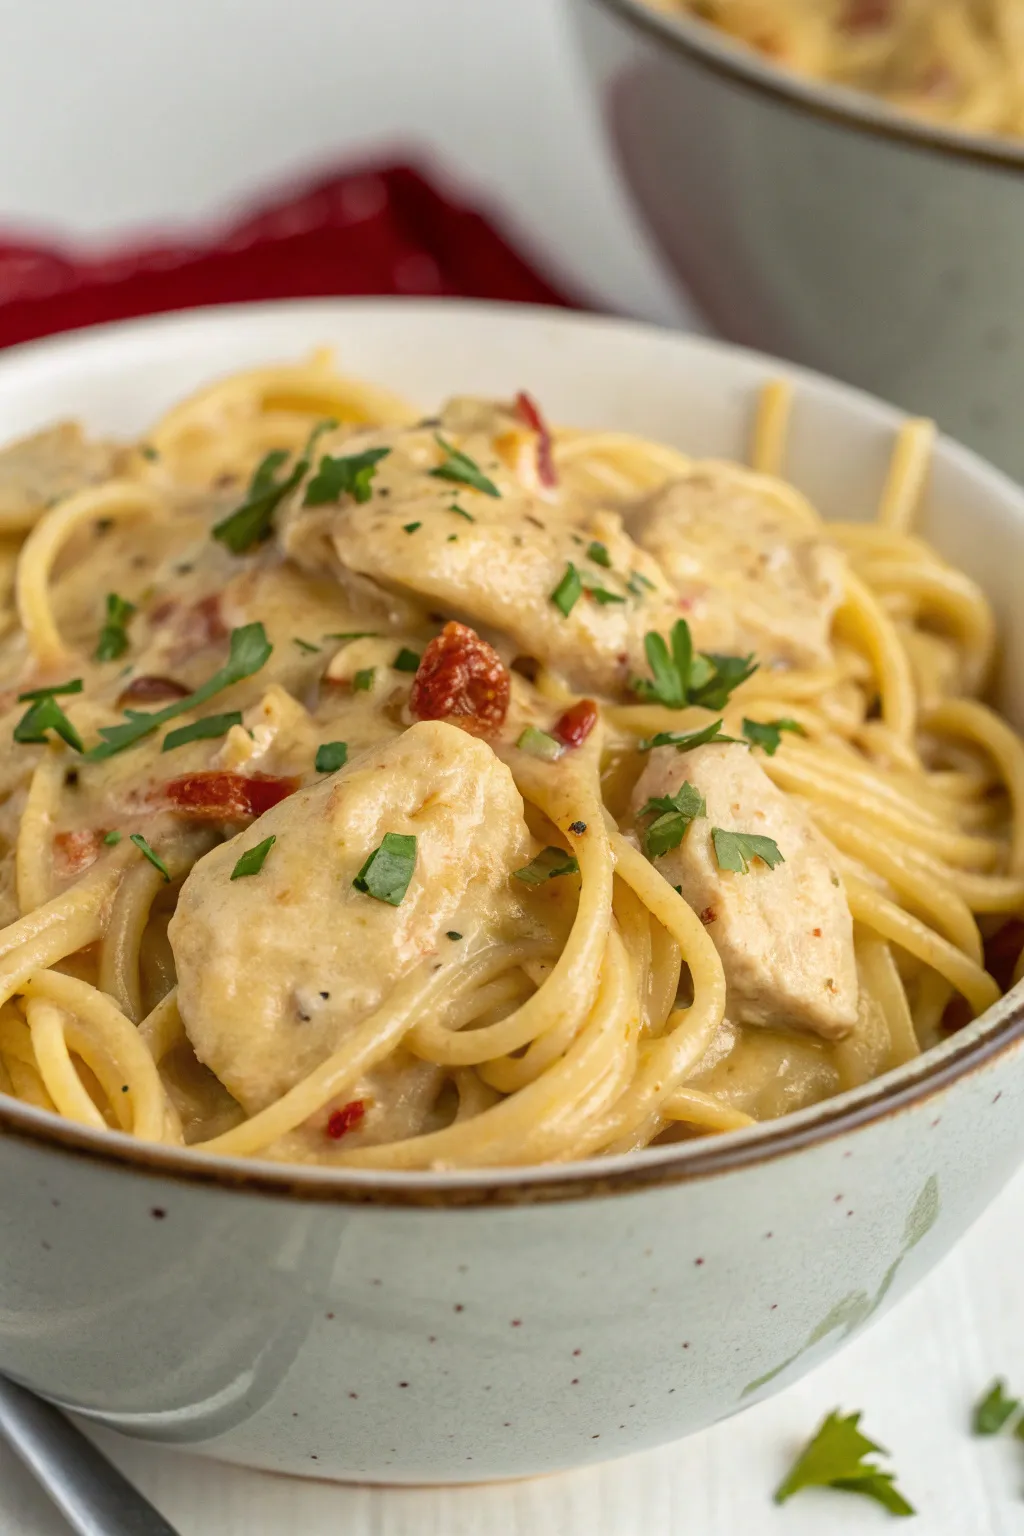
(993, 1034)
(840, 105)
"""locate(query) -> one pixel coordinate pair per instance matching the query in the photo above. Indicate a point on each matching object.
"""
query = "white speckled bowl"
(821, 224)
(446, 1327)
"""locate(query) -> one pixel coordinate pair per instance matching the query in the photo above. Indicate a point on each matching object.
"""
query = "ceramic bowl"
(462, 1326)
(821, 224)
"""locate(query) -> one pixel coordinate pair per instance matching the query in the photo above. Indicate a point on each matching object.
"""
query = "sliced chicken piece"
(38, 470)
(785, 935)
(276, 969)
(750, 578)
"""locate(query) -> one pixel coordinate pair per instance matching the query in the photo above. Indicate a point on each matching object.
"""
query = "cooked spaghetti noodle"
(957, 62)
(457, 792)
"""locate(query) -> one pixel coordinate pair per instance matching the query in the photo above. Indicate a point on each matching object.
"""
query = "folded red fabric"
(366, 231)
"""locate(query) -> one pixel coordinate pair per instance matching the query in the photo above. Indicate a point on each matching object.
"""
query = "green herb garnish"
(154, 858)
(304, 645)
(149, 452)
(249, 651)
(406, 661)
(46, 715)
(331, 756)
(453, 935)
(680, 677)
(593, 588)
(768, 735)
(253, 521)
(837, 1458)
(112, 839)
(540, 744)
(113, 641)
(734, 850)
(351, 476)
(460, 468)
(548, 865)
(205, 729)
(411, 527)
(362, 682)
(727, 674)
(354, 634)
(75, 686)
(389, 869)
(685, 741)
(674, 814)
(598, 553)
(569, 590)
(994, 1410)
(461, 512)
(253, 860)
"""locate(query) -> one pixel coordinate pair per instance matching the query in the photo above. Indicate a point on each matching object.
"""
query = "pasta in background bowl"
(508, 893)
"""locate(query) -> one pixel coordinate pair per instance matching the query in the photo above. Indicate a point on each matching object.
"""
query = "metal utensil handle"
(89, 1491)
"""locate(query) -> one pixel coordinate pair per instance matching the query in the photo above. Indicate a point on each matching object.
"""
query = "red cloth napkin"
(379, 231)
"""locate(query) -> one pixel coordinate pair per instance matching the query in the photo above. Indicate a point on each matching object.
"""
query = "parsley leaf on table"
(837, 1458)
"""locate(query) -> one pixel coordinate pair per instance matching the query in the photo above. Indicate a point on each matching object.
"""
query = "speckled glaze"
(822, 225)
(440, 1328)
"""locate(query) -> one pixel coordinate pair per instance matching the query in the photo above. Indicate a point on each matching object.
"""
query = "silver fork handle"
(92, 1495)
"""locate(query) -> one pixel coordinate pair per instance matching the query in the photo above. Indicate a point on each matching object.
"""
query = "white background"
(129, 113)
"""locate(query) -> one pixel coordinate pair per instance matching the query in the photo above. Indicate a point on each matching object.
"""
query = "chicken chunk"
(38, 470)
(276, 970)
(785, 935)
(750, 578)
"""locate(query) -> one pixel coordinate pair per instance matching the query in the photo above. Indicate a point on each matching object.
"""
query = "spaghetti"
(461, 792)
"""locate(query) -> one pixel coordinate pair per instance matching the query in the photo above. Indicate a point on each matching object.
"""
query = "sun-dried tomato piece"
(529, 413)
(573, 728)
(461, 678)
(345, 1119)
(76, 850)
(218, 796)
(150, 690)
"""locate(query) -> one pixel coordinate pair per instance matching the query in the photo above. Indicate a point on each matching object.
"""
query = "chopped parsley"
(459, 468)
(685, 741)
(673, 813)
(46, 715)
(734, 850)
(461, 512)
(75, 686)
(994, 1410)
(354, 634)
(406, 661)
(113, 641)
(389, 869)
(350, 476)
(331, 756)
(363, 680)
(253, 522)
(638, 584)
(837, 1458)
(452, 538)
(149, 452)
(249, 651)
(593, 588)
(768, 735)
(679, 676)
(205, 729)
(569, 590)
(453, 935)
(112, 839)
(411, 527)
(154, 858)
(304, 645)
(548, 865)
(598, 553)
(253, 859)
(540, 744)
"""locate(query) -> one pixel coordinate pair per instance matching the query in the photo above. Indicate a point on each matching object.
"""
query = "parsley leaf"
(569, 590)
(350, 476)
(353, 634)
(674, 814)
(411, 527)
(331, 756)
(154, 858)
(994, 1410)
(46, 715)
(202, 730)
(112, 839)
(249, 651)
(406, 661)
(305, 646)
(727, 674)
(548, 865)
(75, 686)
(679, 677)
(734, 850)
(461, 470)
(453, 934)
(593, 588)
(113, 641)
(769, 733)
(389, 869)
(685, 741)
(461, 512)
(253, 859)
(539, 744)
(837, 1458)
(253, 521)
(598, 553)
(362, 682)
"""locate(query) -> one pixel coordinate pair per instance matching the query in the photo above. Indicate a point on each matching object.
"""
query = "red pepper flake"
(529, 412)
(77, 850)
(345, 1119)
(227, 796)
(461, 678)
(573, 728)
(708, 916)
(150, 690)
(816, 932)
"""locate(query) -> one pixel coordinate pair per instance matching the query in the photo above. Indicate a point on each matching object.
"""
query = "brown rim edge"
(837, 105)
(543, 1185)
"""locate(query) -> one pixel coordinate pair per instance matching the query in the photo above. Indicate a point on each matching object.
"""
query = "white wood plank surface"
(915, 1375)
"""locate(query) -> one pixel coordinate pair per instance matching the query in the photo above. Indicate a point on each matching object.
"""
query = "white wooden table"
(915, 1375)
